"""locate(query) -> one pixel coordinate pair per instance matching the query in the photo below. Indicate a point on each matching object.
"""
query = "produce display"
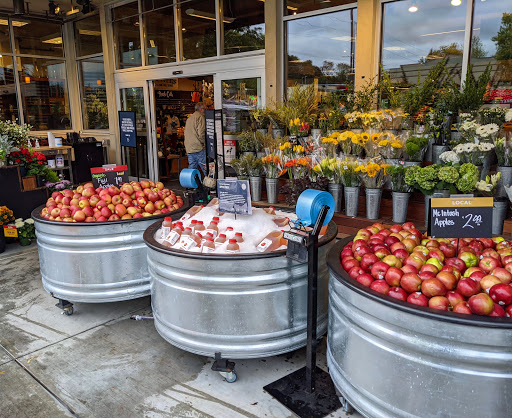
(203, 229)
(466, 276)
(132, 201)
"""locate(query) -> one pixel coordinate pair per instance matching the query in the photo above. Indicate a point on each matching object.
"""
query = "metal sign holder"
(309, 391)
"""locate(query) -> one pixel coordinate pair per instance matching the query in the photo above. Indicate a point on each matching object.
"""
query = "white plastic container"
(51, 162)
(59, 160)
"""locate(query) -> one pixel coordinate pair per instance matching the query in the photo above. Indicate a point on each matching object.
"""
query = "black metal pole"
(313, 300)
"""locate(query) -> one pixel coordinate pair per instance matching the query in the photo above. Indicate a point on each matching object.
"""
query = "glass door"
(136, 99)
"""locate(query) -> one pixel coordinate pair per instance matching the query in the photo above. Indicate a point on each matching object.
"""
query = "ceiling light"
(56, 40)
(15, 23)
(72, 11)
(456, 2)
(413, 9)
(53, 8)
(27, 80)
(152, 43)
(89, 32)
(207, 15)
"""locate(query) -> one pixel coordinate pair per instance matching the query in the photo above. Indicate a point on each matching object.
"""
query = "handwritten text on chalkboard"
(109, 176)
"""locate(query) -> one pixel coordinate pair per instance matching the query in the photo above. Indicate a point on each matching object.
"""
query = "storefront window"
(38, 38)
(328, 62)
(300, 6)
(8, 101)
(127, 36)
(160, 43)
(88, 36)
(239, 97)
(44, 93)
(417, 34)
(198, 29)
(492, 44)
(94, 95)
(5, 42)
(244, 26)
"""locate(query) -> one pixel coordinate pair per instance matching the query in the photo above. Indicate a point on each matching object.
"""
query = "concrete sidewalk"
(100, 363)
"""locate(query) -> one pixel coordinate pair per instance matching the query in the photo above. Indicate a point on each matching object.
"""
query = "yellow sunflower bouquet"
(346, 170)
(331, 143)
(358, 143)
(373, 173)
(391, 146)
(345, 141)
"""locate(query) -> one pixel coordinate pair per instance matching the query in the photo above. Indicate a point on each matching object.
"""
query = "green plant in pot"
(415, 147)
(26, 231)
(247, 141)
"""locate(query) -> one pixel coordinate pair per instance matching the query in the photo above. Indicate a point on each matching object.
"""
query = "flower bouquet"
(272, 166)
(391, 146)
(6, 147)
(331, 143)
(17, 134)
(494, 115)
(487, 132)
(26, 231)
(353, 120)
(326, 168)
(351, 181)
(487, 187)
(6, 217)
(473, 153)
(415, 147)
(372, 173)
(358, 143)
(397, 175)
(503, 150)
(449, 157)
(345, 141)
(294, 126)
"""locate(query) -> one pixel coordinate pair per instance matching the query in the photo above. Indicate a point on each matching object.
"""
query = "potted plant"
(330, 169)
(6, 217)
(27, 159)
(247, 142)
(487, 188)
(503, 148)
(253, 166)
(6, 147)
(17, 134)
(351, 184)
(273, 168)
(26, 231)
(373, 175)
(401, 192)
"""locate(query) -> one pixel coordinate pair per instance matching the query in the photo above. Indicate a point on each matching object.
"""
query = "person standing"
(195, 139)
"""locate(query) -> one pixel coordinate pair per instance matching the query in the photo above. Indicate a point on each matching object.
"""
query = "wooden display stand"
(17, 198)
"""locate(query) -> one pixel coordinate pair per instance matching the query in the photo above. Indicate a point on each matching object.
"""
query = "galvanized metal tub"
(248, 306)
(94, 262)
(389, 359)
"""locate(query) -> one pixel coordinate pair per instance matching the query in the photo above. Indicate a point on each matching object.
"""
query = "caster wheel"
(231, 377)
(69, 311)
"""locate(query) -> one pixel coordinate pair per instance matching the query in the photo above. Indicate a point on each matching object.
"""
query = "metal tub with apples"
(389, 358)
(244, 306)
(95, 262)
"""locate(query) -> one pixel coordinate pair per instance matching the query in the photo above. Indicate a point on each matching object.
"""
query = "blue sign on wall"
(127, 129)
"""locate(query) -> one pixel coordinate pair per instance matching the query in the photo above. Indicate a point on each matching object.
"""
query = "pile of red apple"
(133, 200)
(403, 263)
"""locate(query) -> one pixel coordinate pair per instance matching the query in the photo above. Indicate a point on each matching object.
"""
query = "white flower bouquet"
(487, 132)
(473, 153)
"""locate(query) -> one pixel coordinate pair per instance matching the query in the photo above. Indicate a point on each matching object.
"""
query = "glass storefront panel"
(239, 97)
(44, 93)
(132, 99)
(417, 34)
(198, 29)
(88, 36)
(8, 99)
(300, 6)
(5, 42)
(244, 26)
(38, 38)
(159, 36)
(94, 94)
(321, 51)
(127, 36)
(492, 44)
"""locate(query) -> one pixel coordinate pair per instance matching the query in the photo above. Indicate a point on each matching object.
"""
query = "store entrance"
(174, 101)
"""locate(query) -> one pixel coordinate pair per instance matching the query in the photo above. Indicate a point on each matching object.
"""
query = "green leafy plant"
(26, 230)
(17, 134)
(386, 88)
(251, 165)
(247, 141)
(397, 175)
(415, 147)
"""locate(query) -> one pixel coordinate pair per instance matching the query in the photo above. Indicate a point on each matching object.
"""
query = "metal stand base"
(66, 306)
(225, 368)
(292, 392)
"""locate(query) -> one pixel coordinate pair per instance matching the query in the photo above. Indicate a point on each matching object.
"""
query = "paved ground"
(99, 363)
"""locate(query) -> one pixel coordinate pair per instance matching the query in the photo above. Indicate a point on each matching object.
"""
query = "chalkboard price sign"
(109, 176)
(127, 129)
(461, 217)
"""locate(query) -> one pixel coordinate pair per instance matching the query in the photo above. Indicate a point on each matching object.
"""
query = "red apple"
(120, 210)
(137, 216)
(397, 293)
(433, 287)
(435, 253)
(355, 271)
(411, 282)
(462, 308)
(117, 199)
(477, 275)
(439, 302)
(401, 254)
(468, 287)
(396, 246)
(429, 267)
(379, 270)
(453, 270)
(454, 297)
(498, 311)
(150, 208)
(159, 205)
(89, 212)
(424, 275)
(380, 286)
(501, 274)
(501, 293)
(481, 304)
(106, 212)
(392, 261)
(435, 262)
(414, 261)
(407, 268)
(488, 264)
(113, 191)
(448, 250)
(368, 260)
(396, 228)
(456, 262)
(417, 299)
(389, 241)
(365, 279)
(449, 280)
(488, 281)
(114, 217)
(381, 252)
(489, 252)
(79, 216)
(393, 276)
(409, 244)
(348, 263)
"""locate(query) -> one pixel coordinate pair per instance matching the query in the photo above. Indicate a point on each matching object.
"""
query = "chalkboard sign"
(234, 196)
(209, 116)
(107, 176)
(461, 217)
(127, 129)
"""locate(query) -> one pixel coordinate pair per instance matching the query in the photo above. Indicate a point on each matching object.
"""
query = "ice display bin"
(243, 306)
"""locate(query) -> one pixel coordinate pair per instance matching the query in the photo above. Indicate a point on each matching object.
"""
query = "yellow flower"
(396, 144)
(365, 137)
(375, 137)
(285, 146)
(298, 149)
(383, 143)
(297, 121)
(317, 168)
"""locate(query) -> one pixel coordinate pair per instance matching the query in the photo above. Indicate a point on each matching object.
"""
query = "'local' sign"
(107, 176)
(461, 217)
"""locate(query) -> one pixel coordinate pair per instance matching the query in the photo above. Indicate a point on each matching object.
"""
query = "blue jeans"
(197, 160)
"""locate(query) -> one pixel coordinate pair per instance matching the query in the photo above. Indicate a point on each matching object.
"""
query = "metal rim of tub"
(151, 242)
(334, 265)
